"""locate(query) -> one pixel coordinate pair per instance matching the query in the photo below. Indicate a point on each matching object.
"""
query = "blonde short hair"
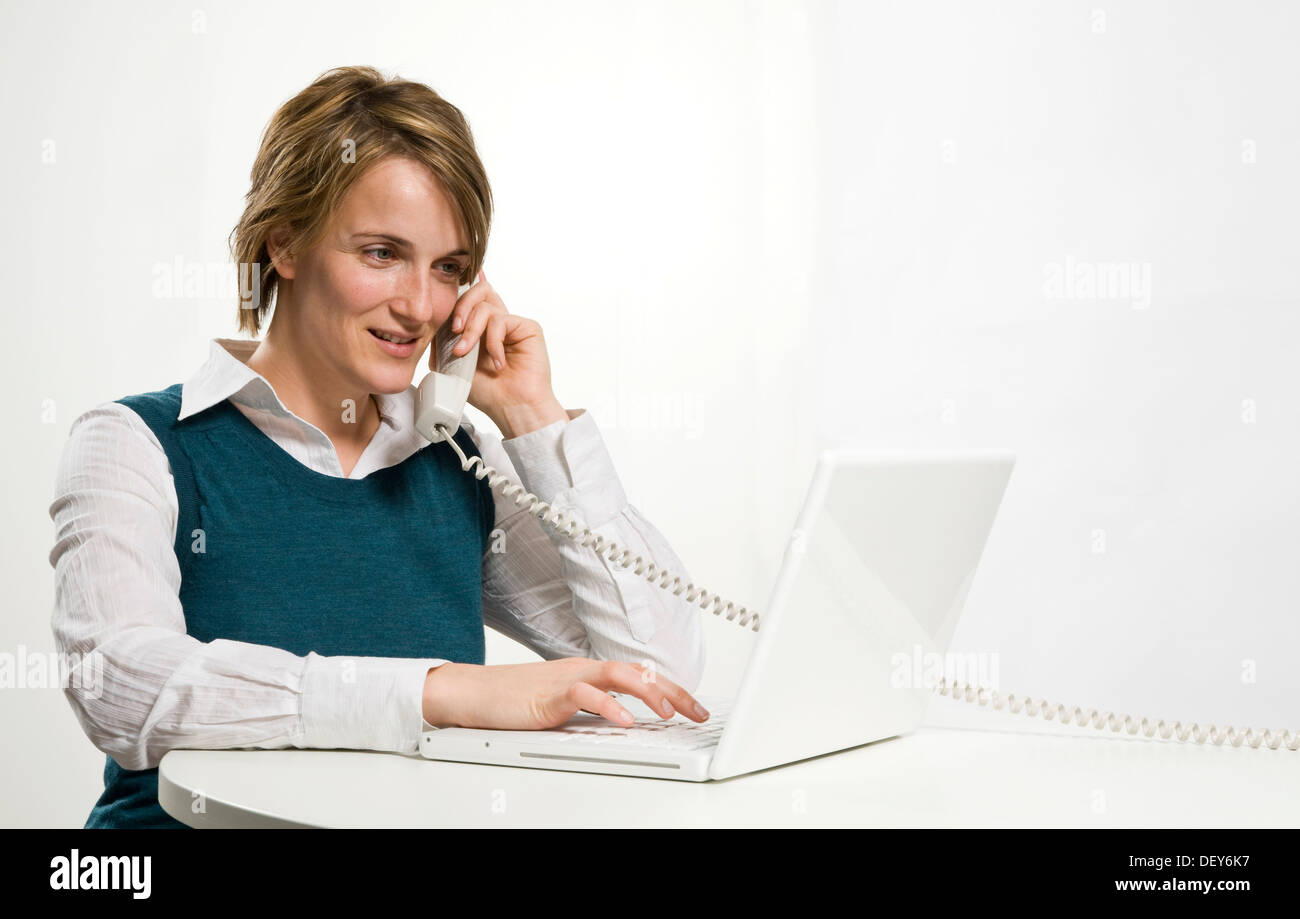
(324, 139)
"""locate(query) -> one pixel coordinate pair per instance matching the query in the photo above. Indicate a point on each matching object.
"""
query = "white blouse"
(118, 584)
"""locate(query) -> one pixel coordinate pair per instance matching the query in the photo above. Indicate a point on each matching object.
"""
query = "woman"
(270, 555)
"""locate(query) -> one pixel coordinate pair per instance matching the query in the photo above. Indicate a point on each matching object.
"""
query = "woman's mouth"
(393, 343)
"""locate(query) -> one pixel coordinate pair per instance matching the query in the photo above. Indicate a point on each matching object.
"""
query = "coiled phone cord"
(1115, 722)
(563, 523)
(611, 550)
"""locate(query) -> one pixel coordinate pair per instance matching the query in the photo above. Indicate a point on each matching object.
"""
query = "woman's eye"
(451, 269)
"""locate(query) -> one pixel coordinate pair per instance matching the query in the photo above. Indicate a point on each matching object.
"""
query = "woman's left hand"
(512, 384)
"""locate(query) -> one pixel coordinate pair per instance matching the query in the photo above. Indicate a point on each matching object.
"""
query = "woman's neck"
(348, 419)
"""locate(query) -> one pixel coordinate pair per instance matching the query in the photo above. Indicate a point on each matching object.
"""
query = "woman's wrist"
(518, 420)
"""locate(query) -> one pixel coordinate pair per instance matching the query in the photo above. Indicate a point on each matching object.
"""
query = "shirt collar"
(226, 375)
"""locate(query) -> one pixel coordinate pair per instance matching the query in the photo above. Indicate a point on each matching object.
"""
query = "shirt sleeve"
(562, 600)
(154, 688)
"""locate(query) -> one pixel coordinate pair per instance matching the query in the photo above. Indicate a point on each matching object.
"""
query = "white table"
(935, 777)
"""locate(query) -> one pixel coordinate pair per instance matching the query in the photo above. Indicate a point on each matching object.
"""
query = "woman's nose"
(421, 300)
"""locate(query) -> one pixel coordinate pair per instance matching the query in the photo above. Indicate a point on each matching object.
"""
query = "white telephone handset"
(440, 398)
(439, 404)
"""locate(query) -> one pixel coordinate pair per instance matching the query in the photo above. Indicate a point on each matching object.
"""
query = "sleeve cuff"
(568, 459)
(364, 703)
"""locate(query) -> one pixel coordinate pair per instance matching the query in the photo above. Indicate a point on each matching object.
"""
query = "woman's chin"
(390, 381)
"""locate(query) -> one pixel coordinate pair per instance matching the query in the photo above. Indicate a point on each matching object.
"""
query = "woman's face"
(389, 265)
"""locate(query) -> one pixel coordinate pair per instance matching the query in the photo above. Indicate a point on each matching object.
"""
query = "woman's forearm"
(517, 420)
(440, 695)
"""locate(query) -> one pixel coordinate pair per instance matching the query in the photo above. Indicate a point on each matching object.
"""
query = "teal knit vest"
(274, 553)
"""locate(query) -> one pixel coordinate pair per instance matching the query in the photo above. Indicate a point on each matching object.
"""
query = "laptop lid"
(875, 576)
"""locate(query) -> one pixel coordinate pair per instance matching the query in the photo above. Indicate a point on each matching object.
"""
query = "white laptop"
(874, 577)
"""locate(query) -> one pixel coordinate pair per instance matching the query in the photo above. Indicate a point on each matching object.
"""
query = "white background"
(752, 230)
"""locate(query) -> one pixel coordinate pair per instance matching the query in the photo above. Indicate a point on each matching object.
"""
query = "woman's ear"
(275, 247)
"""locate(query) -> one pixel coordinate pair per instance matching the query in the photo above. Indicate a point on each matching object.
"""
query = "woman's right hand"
(536, 696)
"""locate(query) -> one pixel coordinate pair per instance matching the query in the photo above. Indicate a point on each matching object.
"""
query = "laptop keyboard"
(676, 733)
